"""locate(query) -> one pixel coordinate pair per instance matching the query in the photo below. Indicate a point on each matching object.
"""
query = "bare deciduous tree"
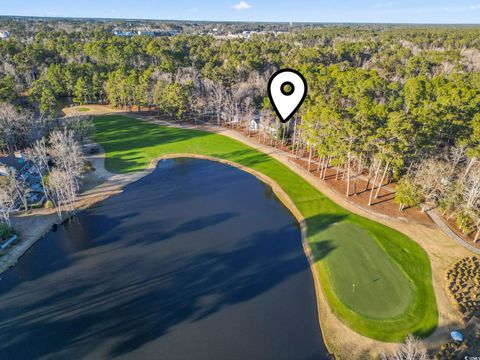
(16, 186)
(7, 204)
(14, 126)
(412, 349)
(81, 125)
(66, 153)
(433, 178)
(63, 190)
(63, 179)
(218, 93)
(471, 189)
(456, 156)
(38, 156)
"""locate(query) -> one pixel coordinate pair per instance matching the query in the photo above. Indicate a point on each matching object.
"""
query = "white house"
(145, 32)
(255, 123)
(4, 34)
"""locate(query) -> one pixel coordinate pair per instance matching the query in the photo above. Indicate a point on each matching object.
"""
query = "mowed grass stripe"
(364, 272)
(131, 144)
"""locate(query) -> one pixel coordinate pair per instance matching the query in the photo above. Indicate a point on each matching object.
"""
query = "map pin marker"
(287, 89)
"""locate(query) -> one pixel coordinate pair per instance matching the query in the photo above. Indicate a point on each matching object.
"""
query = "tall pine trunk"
(381, 181)
(320, 165)
(348, 174)
(359, 172)
(310, 159)
(294, 136)
(374, 182)
(326, 168)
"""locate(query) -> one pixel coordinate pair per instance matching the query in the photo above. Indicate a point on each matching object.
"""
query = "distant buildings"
(245, 35)
(123, 33)
(144, 32)
(4, 34)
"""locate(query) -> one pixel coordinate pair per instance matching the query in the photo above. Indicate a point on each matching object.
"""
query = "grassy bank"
(376, 279)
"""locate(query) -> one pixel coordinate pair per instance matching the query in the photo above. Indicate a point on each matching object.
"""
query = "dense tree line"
(44, 61)
(385, 102)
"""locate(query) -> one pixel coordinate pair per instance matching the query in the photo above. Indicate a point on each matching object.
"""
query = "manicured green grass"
(367, 274)
(393, 291)
(83, 109)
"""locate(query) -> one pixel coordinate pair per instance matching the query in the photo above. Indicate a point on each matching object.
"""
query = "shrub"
(465, 222)
(49, 204)
(407, 194)
(452, 199)
(6, 232)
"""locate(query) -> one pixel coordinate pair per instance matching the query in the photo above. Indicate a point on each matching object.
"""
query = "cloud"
(383, 4)
(461, 8)
(242, 5)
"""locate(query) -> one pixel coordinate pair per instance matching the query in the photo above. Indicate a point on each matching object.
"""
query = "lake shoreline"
(339, 339)
(114, 184)
(113, 235)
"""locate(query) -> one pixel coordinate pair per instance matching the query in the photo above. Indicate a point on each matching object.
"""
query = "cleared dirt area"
(442, 251)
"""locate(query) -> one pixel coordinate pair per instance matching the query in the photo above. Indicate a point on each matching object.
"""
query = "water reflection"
(196, 261)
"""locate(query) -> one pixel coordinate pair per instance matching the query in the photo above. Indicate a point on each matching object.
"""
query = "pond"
(198, 260)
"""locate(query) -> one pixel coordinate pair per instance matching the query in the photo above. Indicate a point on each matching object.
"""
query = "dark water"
(197, 261)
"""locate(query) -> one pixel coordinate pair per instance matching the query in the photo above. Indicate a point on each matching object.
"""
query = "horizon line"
(241, 21)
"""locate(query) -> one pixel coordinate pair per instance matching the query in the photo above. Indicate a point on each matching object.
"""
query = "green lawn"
(393, 293)
(359, 284)
(83, 109)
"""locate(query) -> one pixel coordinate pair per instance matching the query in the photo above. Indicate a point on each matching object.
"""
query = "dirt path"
(347, 344)
(441, 249)
(442, 225)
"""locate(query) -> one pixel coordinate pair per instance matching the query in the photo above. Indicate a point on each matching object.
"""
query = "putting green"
(364, 279)
(393, 291)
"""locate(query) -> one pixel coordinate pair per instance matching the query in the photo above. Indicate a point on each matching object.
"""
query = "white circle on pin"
(287, 89)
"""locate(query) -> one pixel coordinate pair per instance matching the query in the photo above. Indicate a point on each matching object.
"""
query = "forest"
(392, 103)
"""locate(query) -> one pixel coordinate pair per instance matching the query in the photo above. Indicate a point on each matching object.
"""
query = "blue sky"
(396, 11)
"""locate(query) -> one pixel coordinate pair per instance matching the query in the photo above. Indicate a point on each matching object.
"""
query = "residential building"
(28, 174)
(144, 32)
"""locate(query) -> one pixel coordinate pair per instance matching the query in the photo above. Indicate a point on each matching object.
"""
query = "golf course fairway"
(376, 280)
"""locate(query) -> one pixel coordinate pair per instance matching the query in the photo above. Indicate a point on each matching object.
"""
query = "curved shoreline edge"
(342, 340)
(284, 199)
(288, 203)
(117, 182)
(131, 145)
(19, 250)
